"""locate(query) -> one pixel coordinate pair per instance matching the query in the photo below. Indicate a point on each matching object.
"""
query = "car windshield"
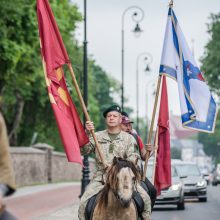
(150, 171)
(188, 170)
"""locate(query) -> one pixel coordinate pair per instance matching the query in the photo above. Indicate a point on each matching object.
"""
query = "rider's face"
(126, 127)
(113, 119)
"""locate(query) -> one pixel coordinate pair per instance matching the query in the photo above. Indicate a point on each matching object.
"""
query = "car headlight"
(201, 183)
(175, 187)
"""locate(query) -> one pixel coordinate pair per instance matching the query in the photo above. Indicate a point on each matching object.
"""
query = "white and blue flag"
(198, 108)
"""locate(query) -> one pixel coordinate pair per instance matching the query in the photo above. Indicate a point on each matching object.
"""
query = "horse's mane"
(112, 181)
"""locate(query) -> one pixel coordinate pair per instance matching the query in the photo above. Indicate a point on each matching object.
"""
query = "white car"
(195, 186)
(174, 195)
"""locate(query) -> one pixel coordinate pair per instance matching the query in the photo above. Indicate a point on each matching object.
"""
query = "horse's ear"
(115, 160)
(136, 161)
(125, 156)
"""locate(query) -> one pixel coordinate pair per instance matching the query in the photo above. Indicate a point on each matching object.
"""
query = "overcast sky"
(104, 22)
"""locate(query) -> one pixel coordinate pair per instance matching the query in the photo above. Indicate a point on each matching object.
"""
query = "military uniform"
(7, 181)
(6, 169)
(121, 146)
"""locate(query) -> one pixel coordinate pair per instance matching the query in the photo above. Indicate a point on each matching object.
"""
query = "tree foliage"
(211, 142)
(211, 68)
(25, 102)
(211, 58)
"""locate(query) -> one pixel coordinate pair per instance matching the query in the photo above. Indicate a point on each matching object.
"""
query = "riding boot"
(93, 188)
(146, 214)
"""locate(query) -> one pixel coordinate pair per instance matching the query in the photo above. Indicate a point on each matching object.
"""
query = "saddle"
(91, 204)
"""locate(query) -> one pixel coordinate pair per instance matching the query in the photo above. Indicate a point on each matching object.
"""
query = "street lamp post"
(151, 84)
(137, 17)
(147, 58)
(85, 171)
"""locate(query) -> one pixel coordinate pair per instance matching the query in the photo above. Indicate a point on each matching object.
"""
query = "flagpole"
(85, 112)
(155, 154)
(152, 124)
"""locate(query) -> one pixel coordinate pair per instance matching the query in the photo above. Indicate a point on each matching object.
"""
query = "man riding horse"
(114, 143)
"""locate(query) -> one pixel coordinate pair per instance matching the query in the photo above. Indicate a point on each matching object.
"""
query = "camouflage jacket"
(6, 168)
(123, 146)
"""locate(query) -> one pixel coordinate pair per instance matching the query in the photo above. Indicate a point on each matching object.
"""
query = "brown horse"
(115, 200)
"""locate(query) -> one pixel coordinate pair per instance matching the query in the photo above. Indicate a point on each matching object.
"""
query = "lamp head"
(137, 30)
(147, 69)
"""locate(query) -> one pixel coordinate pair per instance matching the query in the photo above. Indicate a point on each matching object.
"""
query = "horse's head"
(121, 179)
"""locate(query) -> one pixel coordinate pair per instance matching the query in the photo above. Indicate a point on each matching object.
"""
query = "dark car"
(216, 176)
(195, 186)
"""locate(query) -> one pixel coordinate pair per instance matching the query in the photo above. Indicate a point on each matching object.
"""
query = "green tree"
(211, 142)
(22, 86)
(211, 68)
(102, 89)
(19, 60)
(211, 58)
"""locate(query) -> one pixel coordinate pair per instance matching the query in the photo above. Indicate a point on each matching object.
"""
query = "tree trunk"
(18, 115)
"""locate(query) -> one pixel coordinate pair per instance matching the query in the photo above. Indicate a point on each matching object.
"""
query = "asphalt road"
(194, 210)
(60, 202)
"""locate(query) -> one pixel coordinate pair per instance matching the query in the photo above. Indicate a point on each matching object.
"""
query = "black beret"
(112, 108)
(125, 114)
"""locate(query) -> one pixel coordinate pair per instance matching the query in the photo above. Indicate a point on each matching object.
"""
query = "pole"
(152, 123)
(155, 154)
(122, 65)
(122, 44)
(85, 171)
(137, 84)
(137, 92)
(85, 111)
(85, 180)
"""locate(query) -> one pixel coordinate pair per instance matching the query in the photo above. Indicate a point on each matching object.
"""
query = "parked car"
(174, 195)
(195, 186)
(216, 176)
(206, 174)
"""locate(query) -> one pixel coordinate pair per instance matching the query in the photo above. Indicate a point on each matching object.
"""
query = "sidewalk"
(45, 202)
(67, 213)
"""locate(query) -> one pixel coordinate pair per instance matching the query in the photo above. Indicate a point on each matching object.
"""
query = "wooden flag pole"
(152, 124)
(155, 154)
(86, 113)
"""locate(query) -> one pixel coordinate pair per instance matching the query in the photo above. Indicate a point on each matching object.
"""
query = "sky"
(104, 25)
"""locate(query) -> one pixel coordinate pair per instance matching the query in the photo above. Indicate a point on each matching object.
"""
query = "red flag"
(54, 56)
(163, 165)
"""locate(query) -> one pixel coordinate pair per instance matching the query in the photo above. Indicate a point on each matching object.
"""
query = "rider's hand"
(147, 152)
(89, 126)
(149, 147)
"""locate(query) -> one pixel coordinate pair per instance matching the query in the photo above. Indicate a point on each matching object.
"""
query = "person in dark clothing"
(126, 125)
